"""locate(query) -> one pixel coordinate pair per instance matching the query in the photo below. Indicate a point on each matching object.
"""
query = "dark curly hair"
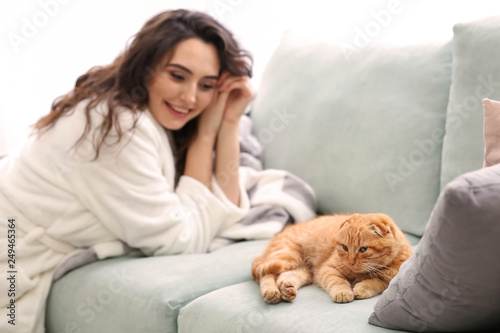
(123, 83)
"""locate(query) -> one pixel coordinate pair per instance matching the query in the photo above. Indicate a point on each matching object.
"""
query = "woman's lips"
(177, 111)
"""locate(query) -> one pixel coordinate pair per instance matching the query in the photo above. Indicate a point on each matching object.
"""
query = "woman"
(143, 151)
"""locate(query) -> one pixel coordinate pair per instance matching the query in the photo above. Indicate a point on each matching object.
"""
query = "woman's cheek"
(206, 99)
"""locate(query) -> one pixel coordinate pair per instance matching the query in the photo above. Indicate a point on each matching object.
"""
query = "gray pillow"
(452, 282)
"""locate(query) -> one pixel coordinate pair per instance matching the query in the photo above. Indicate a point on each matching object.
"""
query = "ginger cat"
(349, 256)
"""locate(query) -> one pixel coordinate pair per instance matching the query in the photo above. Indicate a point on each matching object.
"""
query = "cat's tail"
(263, 266)
(260, 270)
(283, 253)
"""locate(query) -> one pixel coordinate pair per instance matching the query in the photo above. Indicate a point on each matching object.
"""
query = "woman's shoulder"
(121, 122)
(139, 123)
(124, 117)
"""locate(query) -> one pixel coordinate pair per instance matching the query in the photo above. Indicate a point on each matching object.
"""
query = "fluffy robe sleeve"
(130, 190)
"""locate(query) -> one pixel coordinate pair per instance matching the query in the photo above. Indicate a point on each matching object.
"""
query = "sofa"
(372, 128)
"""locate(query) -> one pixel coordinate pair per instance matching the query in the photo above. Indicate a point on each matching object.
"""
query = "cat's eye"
(346, 249)
(363, 249)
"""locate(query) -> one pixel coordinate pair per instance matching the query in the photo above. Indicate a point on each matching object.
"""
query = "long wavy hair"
(124, 82)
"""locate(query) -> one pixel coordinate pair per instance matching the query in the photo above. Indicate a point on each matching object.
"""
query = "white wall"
(46, 44)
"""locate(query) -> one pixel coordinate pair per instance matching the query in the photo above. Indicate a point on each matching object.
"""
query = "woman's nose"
(188, 94)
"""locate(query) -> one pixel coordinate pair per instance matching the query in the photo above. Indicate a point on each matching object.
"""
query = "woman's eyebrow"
(215, 77)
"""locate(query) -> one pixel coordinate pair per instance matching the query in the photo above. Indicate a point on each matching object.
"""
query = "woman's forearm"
(227, 160)
(199, 159)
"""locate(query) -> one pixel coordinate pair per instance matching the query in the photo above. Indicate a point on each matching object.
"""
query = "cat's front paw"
(271, 295)
(343, 295)
(363, 290)
(368, 288)
(288, 291)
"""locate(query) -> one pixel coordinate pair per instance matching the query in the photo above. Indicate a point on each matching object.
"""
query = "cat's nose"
(351, 262)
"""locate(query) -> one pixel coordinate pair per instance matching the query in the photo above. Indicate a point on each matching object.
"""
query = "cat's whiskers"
(339, 264)
(377, 264)
(341, 267)
(374, 271)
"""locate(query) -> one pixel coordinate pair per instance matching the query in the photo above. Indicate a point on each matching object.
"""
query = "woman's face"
(184, 84)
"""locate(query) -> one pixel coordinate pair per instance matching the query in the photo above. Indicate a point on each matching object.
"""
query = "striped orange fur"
(349, 256)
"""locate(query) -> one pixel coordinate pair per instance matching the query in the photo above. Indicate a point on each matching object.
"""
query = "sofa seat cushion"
(143, 294)
(240, 308)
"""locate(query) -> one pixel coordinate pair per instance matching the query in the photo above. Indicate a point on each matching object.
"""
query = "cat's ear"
(382, 224)
(379, 229)
(347, 221)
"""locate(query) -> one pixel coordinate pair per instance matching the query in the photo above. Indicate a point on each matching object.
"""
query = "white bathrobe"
(62, 202)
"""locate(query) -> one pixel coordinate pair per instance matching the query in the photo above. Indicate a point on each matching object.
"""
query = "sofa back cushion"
(476, 75)
(364, 131)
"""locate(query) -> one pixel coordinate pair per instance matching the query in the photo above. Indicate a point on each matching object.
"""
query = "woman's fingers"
(220, 100)
(239, 87)
(222, 78)
(243, 86)
(240, 94)
(229, 81)
(233, 95)
(210, 119)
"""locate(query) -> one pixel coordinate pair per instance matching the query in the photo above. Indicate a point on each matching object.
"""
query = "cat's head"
(367, 242)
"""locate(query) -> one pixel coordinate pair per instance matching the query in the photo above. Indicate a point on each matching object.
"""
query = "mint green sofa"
(379, 129)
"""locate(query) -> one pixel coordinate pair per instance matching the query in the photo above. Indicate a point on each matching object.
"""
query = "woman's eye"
(363, 249)
(176, 76)
(346, 249)
(207, 86)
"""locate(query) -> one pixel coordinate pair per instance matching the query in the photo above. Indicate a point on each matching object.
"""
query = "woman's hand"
(220, 123)
(227, 162)
(240, 95)
(210, 119)
(230, 101)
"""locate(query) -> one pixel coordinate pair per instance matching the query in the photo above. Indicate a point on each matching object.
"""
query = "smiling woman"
(184, 83)
(127, 156)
